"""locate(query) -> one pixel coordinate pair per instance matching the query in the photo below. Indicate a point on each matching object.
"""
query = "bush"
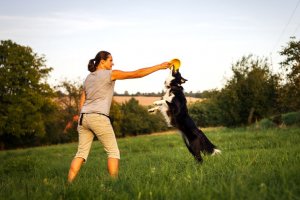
(131, 118)
(292, 118)
(265, 124)
(205, 113)
(288, 119)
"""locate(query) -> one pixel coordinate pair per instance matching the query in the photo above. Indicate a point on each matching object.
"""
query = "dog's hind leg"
(205, 144)
(196, 149)
(192, 149)
(216, 152)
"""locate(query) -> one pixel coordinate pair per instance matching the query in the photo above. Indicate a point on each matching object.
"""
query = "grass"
(255, 164)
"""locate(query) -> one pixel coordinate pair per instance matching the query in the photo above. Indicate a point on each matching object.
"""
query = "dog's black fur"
(177, 112)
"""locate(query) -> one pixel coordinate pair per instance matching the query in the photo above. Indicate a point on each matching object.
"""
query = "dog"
(173, 107)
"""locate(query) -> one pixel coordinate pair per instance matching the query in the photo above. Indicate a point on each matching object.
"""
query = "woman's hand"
(75, 118)
(70, 123)
(165, 65)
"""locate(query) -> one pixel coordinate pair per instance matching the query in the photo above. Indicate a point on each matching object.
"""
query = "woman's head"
(103, 58)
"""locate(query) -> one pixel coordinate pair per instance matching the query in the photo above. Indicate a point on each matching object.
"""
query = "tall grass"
(262, 164)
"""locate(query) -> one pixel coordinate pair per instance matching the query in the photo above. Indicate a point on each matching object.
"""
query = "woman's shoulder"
(104, 71)
(99, 75)
(104, 75)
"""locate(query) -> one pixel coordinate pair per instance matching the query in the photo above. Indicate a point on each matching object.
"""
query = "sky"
(207, 36)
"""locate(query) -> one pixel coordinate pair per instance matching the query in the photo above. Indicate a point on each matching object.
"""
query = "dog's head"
(174, 79)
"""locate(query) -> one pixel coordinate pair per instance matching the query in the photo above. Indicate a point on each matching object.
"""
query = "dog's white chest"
(168, 96)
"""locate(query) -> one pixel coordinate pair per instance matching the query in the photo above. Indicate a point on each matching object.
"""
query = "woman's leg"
(74, 168)
(113, 167)
(103, 129)
(85, 140)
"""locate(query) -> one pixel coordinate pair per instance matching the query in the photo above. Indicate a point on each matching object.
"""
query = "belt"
(81, 117)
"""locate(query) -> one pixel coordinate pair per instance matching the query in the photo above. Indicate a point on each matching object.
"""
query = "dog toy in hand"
(175, 64)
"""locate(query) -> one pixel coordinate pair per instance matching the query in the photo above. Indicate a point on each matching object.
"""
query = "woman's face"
(108, 63)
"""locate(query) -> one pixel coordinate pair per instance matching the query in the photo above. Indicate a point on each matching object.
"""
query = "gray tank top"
(99, 90)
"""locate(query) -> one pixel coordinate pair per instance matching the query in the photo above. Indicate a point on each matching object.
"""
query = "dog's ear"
(183, 80)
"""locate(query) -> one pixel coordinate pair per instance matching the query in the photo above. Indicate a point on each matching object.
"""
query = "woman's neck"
(101, 68)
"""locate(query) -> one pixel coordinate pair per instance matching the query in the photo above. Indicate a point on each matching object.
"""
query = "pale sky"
(207, 36)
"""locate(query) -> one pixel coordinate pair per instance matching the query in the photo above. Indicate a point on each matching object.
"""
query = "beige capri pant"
(93, 123)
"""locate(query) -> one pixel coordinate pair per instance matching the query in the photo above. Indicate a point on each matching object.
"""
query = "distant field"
(146, 101)
(254, 164)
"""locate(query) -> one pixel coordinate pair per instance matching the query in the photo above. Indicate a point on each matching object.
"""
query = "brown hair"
(93, 63)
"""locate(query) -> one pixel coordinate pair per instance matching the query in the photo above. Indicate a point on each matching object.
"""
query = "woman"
(95, 104)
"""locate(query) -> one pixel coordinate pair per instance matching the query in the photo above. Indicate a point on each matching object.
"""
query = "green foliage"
(250, 95)
(265, 124)
(24, 92)
(69, 93)
(205, 113)
(281, 120)
(254, 164)
(292, 118)
(136, 119)
(117, 117)
(68, 97)
(290, 92)
(254, 92)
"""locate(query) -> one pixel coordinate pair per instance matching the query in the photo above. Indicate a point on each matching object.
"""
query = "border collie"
(174, 109)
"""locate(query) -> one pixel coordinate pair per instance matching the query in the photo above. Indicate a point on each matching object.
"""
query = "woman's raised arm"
(120, 75)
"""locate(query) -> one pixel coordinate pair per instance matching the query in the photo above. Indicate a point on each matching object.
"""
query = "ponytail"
(93, 63)
(91, 66)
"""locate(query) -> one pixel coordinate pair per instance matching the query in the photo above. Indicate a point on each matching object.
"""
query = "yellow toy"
(176, 63)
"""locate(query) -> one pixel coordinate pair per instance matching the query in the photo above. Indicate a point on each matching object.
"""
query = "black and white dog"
(174, 109)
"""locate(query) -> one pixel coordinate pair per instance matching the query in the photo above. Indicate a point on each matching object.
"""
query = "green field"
(254, 164)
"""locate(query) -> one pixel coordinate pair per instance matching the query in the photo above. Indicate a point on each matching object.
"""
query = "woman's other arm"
(76, 117)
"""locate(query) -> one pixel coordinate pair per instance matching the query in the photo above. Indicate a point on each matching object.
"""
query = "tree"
(116, 118)
(126, 93)
(250, 94)
(68, 97)
(133, 121)
(205, 113)
(136, 119)
(23, 92)
(291, 64)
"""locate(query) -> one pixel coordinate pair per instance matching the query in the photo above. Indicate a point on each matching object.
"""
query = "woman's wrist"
(165, 65)
(160, 66)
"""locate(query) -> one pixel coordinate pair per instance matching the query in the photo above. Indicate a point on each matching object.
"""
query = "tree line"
(197, 94)
(255, 92)
(34, 113)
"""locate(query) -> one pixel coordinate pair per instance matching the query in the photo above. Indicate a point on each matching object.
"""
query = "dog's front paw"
(158, 103)
(170, 98)
(152, 109)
